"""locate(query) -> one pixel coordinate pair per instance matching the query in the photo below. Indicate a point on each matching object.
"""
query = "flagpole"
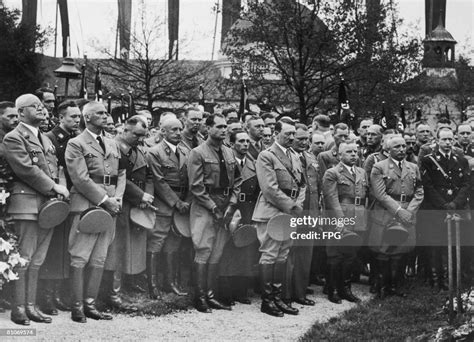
(56, 30)
(217, 10)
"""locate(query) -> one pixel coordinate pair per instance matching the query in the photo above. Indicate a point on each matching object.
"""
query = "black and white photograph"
(237, 170)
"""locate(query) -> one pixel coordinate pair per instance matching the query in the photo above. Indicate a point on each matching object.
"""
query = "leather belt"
(218, 191)
(352, 200)
(292, 193)
(105, 180)
(402, 198)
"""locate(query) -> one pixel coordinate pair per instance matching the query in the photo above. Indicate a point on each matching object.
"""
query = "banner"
(173, 28)
(124, 26)
(64, 25)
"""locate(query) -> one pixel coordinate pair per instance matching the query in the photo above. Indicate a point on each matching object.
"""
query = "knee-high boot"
(92, 290)
(18, 314)
(266, 279)
(200, 273)
(152, 278)
(31, 310)
(77, 287)
(279, 277)
(212, 274)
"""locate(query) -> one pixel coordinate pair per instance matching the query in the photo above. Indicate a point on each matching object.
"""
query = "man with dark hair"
(167, 161)
(233, 125)
(464, 141)
(282, 187)
(269, 121)
(215, 185)
(56, 265)
(362, 130)
(328, 159)
(32, 158)
(48, 99)
(98, 179)
(321, 124)
(382, 154)
(410, 141)
(230, 114)
(192, 123)
(255, 130)
(202, 133)
(8, 116)
(126, 254)
(428, 148)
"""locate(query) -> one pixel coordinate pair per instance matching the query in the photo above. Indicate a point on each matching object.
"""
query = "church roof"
(440, 34)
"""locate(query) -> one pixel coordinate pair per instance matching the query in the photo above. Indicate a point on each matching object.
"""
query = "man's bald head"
(170, 121)
(171, 129)
(343, 147)
(27, 100)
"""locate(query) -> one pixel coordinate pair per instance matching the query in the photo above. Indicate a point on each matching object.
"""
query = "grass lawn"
(415, 317)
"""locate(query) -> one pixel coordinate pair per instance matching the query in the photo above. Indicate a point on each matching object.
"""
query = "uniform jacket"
(438, 190)
(35, 168)
(59, 137)
(168, 172)
(187, 143)
(254, 148)
(135, 163)
(326, 160)
(373, 159)
(204, 172)
(431, 147)
(385, 180)
(313, 183)
(249, 190)
(84, 157)
(273, 176)
(338, 185)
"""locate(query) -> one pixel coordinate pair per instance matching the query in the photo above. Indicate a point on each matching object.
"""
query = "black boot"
(18, 314)
(396, 278)
(279, 276)
(77, 287)
(383, 281)
(332, 282)
(212, 274)
(113, 282)
(266, 279)
(92, 290)
(170, 284)
(344, 289)
(31, 310)
(200, 303)
(152, 278)
(57, 296)
(47, 305)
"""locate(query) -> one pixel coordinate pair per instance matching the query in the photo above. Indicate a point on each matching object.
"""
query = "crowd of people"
(226, 177)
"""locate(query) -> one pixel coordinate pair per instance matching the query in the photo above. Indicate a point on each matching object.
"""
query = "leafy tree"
(305, 48)
(149, 72)
(20, 66)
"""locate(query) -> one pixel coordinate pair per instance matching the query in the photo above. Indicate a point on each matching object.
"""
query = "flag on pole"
(344, 111)
(446, 112)
(98, 85)
(173, 29)
(64, 25)
(122, 105)
(201, 95)
(244, 99)
(402, 115)
(131, 104)
(418, 114)
(109, 104)
(83, 92)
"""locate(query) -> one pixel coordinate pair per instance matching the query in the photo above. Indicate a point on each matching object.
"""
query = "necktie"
(177, 154)
(242, 163)
(223, 179)
(303, 161)
(400, 165)
(194, 141)
(353, 171)
(101, 143)
(288, 154)
(39, 138)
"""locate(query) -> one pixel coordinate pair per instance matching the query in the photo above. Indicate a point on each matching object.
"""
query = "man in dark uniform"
(126, 254)
(446, 180)
(167, 162)
(32, 158)
(345, 190)
(56, 265)
(215, 186)
(236, 265)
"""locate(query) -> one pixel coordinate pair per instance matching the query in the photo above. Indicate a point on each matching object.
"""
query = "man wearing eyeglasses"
(92, 161)
(32, 158)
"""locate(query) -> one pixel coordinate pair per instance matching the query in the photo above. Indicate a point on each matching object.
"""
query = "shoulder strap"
(300, 183)
(445, 175)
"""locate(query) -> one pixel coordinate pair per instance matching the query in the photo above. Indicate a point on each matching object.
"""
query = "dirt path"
(244, 323)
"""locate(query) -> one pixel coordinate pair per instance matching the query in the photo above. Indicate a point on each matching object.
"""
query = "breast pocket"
(211, 166)
(283, 178)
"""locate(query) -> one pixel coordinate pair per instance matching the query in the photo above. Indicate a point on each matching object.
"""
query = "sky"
(92, 24)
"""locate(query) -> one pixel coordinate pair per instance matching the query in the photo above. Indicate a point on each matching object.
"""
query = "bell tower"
(439, 44)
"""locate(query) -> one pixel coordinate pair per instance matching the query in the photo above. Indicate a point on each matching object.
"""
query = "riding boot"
(170, 283)
(266, 278)
(344, 289)
(47, 304)
(200, 272)
(279, 277)
(18, 314)
(92, 291)
(152, 278)
(31, 287)
(332, 283)
(57, 296)
(212, 274)
(113, 283)
(395, 278)
(77, 287)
